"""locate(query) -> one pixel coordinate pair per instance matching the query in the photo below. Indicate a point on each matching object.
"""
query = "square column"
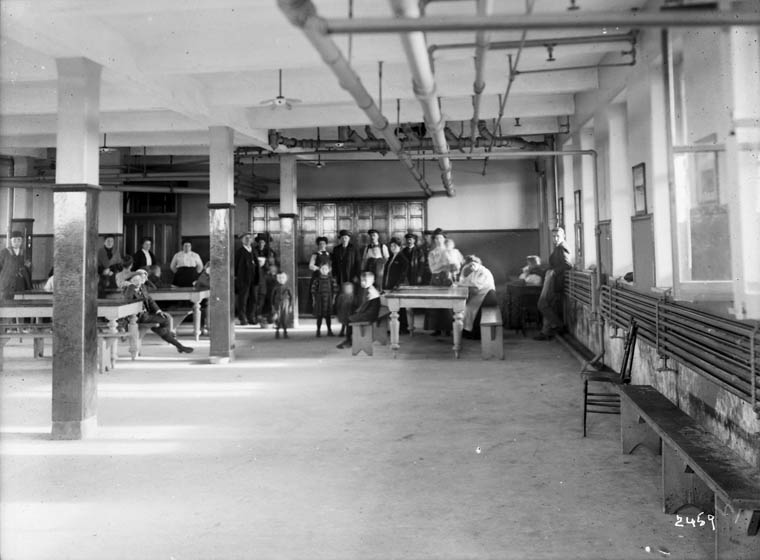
(288, 215)
(221, 239)
(75, 224)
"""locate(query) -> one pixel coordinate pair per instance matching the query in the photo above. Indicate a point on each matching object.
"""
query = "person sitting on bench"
(369, 308)
(481, 293)
(151, 311)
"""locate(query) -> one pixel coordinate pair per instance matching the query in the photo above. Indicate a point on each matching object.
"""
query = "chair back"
(630, 345)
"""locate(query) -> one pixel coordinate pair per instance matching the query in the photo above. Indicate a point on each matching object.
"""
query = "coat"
(417, 264)
(559, 262)
(14, 275)
(395, 271)
(345, 264)
(139, 261)
(246, 270)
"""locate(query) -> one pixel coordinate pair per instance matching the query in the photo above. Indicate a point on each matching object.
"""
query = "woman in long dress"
(481, 293)
(443, 270)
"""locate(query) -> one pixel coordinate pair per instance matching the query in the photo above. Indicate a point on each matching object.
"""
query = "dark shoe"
(330, 333)
(185, 349)
(285, 334)
(243, 322)
(344, 344)
(277, 334)
(543, 336)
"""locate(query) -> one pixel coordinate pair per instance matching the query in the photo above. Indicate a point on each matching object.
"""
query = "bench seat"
(697, 469)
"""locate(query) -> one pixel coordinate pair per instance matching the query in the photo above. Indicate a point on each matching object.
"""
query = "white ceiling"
(172, 68)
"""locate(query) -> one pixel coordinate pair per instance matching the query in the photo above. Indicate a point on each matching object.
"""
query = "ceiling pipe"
(482, 41)
(564, 20)
(540, 43)
(303, 14)
(423, 83)
(378, 145)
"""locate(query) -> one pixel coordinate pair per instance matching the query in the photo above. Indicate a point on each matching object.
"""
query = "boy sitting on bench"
(369, 308)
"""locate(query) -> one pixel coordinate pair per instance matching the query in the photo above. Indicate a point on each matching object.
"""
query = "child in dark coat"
(324, 289)
(345, 305)
(282, 305)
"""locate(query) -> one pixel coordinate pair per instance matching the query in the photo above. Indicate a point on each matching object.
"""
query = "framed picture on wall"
(639, 189)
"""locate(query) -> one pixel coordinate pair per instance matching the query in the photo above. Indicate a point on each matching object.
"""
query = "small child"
(324, 289)
(282, 305)
(270, 282)
(345, 305)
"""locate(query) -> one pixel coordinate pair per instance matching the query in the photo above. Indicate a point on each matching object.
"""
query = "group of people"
(346, 281)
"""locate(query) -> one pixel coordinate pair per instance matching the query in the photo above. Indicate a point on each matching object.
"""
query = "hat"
(343, 232)
(410, 235)
(16, 233)
(438, 231)
(262, 237)
(321, 238)
(371, 231)
(427, 232)
(395, 240)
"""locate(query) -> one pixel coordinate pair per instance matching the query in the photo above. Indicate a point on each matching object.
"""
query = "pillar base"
(74, 429)
(220, 360)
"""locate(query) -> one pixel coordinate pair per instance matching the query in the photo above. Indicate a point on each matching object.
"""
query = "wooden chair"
(594, 371)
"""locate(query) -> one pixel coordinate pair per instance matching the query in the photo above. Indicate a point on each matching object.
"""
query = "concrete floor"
(298, 450)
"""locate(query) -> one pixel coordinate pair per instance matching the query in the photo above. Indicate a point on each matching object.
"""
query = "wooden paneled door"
(151, 215)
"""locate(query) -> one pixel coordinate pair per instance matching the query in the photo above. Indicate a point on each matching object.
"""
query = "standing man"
(554, 282)
(345, 260)
(186, 266)
(416, 257)
(14, 268)
(109, 263)
(144, 257)
(246, 279)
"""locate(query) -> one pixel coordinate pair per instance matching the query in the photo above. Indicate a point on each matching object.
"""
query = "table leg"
(39, 343)
(197, 320)
(112, 346)
(458, 326)
(134, 337)
(394, 324)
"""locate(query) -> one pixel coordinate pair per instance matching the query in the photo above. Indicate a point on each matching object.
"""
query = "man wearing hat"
(14, 268)
(246, 279)
(345, 259)
(415, 255)
(186, 265)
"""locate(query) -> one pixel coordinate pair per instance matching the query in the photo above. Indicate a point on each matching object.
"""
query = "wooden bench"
(491, 333)
(697, 469)
(364, 333)
(39, 332)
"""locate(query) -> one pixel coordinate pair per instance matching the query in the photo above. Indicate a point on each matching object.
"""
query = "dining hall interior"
(631, 429)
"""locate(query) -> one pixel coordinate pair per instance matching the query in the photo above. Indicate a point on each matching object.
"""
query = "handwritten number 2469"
(694, 521)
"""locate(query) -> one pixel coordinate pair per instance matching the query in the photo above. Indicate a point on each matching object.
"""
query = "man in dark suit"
(144, 257)
(416, 257)
(246, 281)
(554, 282)
(345, 259)
(14, 268)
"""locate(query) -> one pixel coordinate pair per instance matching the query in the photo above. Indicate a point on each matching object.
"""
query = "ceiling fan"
(280, 100)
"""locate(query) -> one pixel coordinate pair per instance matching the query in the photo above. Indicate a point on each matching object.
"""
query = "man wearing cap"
(186, 266)
(14, 268)
(246, 279)
(152, 313)
(345, 259)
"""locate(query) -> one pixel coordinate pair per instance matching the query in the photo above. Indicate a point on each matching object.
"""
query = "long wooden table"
(426, 297)
(111, 309)
(193, 295)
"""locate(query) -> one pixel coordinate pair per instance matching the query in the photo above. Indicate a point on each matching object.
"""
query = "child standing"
(345, 305)
(324, 288)
(282, 305)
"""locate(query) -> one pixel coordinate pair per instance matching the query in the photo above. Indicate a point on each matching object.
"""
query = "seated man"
(369, 308)
(152, 313)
